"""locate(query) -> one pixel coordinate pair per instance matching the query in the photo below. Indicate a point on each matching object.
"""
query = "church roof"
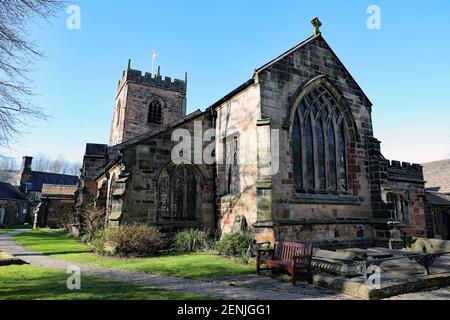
(160, 129)
(272, 62)
(9, 192)
(317, 37)
(438, 199)
(38, 179)
(285, 54)
(437, 175)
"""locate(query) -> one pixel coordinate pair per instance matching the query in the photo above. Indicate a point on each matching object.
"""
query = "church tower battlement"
(144, 102)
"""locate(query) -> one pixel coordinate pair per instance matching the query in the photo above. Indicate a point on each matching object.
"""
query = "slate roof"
(10, 176)
(39, 178)
(301, 45)
(158, 130)
(438, 199)
(9, 192)
(437, 175)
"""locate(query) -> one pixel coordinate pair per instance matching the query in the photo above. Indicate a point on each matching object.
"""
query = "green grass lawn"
(193, 266)
(33, 283)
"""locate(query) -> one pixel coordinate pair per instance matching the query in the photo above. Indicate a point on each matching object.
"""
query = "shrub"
(93, 220)
(191, 240)
(238, 244)
(133, 240)
(67, 222)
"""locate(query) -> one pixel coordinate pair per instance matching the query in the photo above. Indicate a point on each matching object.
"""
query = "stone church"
(293, 152)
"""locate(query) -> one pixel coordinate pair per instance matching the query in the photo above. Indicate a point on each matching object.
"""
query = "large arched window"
(319, 143)
(179, 191)
(155, 112)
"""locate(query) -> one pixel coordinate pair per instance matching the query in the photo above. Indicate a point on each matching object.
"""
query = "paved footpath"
(250, 287)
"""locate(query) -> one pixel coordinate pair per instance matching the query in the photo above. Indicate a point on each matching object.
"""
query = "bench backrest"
(286, 251)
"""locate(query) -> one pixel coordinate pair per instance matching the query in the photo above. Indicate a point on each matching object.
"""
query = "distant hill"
(437, 175)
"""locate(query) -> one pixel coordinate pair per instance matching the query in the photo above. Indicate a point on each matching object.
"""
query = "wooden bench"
(289, 256)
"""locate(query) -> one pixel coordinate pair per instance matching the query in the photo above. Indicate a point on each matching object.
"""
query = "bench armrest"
(261, 251)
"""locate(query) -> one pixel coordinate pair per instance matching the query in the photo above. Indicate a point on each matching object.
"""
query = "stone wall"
(136, 190)
(283, 84)
(237, 117)
(15, 212)
(135, 92)
(94, 161)
(57, 201)
(406, 178)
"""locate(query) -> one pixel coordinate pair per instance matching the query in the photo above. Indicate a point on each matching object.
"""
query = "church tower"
(144, 102)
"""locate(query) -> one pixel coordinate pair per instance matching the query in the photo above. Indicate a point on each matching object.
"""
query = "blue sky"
(403, 67)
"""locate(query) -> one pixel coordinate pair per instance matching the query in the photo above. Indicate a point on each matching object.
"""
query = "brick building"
(32, 189)
(13, 205)
(437, 206)
(293, 151)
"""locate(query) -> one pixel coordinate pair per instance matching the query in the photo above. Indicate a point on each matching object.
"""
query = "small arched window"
(155, 112)
(319, 143)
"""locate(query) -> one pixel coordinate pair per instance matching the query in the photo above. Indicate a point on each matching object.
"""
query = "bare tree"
(17, 52)
(41, 163)
(44, 163)
(8, 163)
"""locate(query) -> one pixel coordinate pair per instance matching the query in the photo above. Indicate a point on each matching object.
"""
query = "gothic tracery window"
(297, 152)
(155, 112)
(309, 146)
(178, 192)
(319, 143)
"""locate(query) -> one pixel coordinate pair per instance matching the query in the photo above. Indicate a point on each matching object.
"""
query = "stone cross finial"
(317, 24)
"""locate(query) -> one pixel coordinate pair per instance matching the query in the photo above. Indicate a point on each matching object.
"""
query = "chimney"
(26, 164)
(25, 174)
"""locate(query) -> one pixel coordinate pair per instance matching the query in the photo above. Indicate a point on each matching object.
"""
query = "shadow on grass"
(31, 283)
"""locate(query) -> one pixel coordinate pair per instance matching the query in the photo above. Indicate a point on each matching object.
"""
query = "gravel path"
(249, 287)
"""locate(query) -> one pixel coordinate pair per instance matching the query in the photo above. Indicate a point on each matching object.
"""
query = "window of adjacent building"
(319, 143)
(155, 112)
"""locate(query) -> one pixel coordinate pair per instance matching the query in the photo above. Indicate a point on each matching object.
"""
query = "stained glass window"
(321, 155)
(332, 156)
(319, 111)
(191, 195)
(342, 159)
(164, 196)
(155, 112)
(309, 154)
(178, 194)
(297, 152)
